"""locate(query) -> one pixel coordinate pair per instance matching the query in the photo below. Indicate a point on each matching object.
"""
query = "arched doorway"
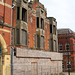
(3, 50)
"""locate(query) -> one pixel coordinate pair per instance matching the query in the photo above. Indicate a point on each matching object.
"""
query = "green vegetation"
(61, 73)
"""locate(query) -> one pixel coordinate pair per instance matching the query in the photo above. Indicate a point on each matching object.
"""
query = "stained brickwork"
(35, 27)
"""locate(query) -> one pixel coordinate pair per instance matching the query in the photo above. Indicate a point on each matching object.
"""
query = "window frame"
(17, 36)
(18, 15)
(60, 45)
(24, 14)
(43, 42)
(25, 40)
(68, 46)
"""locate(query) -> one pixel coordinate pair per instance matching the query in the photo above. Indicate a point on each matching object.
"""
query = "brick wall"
(5, 11)
(70, 39)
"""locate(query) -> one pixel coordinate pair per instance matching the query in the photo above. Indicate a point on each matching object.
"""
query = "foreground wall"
(34, 62)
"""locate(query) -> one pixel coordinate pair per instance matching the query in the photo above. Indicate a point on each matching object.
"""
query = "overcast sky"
(63, 11)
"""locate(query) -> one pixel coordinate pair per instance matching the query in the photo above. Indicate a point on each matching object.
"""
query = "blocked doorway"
(34, 68)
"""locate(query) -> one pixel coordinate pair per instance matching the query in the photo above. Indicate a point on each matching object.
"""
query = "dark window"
(37, 22)
(24, 37)
(18, 13)
(67, 46)
(14, 51)
(24, 14)
(60, 47)
(69, 65)
(38, 41)
(50, 28)
(42, 23)
(17, 36)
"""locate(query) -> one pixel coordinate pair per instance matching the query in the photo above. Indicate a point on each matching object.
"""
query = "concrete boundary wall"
(23, 53)
(35, 62)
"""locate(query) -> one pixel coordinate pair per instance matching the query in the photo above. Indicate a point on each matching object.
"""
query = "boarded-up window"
(35, 40)
(54, 45)
(51, 45)
(24, 14)
(54, 29)
(37, 22)
(42, 42)
(17, 36)
(18, 13)
(42, 23)
(24, 37)
(38, 41)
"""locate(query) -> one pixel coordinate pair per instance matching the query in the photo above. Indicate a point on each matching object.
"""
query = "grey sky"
(63, 11)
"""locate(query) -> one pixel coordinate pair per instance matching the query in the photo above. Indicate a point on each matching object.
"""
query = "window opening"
(18, 13)
(42, 23)
(24, 14)
(37, 22)
(60, 47)
(24, 37)
(50, 28)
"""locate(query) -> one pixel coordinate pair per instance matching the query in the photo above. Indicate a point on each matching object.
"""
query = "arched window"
(60, 47)
(67, 46)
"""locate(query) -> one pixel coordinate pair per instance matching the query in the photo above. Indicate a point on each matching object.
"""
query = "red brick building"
(5, 30)
(32, 28)
(66, 44)
(6, 20)
(25, 26)
(35, 35)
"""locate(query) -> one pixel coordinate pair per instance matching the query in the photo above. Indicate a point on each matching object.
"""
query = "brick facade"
(40, 33)
(34, 10)
(5, 33)
(26, 26)
(5, 21)
(70, 35)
